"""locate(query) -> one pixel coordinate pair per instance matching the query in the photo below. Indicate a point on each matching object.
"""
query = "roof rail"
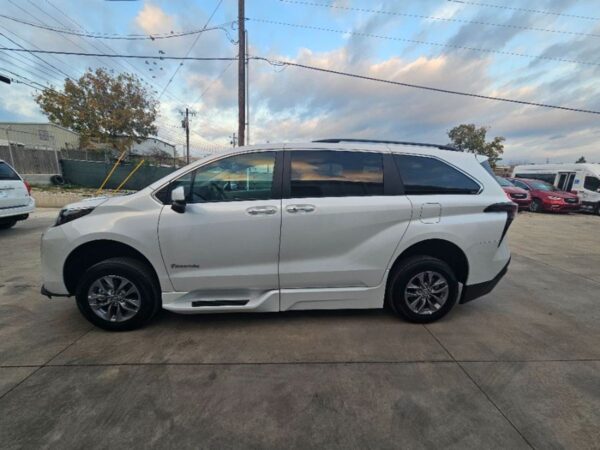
(375, 141)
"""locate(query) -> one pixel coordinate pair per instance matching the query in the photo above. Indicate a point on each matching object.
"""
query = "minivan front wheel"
(422, 289)
(117, 294)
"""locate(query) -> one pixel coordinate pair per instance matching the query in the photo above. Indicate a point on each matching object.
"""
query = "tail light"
(28, 186)
(510, 209)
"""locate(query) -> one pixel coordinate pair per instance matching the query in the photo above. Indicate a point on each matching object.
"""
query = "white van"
(582, 179)
(279, 227)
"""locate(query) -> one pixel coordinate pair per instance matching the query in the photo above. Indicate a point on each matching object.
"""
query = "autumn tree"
(102, 107)
(470, 138)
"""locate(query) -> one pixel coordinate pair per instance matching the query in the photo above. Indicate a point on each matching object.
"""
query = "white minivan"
(16, 202)
(582, 179)
(321, 225)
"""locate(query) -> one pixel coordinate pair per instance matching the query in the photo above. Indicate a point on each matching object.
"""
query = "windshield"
(6, 173)
(541, 186)
(504, 182)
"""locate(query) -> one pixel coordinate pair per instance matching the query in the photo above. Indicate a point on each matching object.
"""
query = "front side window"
(423, 175)
(335, 174)
(521, 185)
(236, 178)
(591, 184)
(6, 173)
(542, 186)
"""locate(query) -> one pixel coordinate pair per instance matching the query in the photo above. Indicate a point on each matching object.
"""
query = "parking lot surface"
(519, 368)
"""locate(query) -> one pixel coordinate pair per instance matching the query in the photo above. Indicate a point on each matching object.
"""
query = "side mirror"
(178, 200)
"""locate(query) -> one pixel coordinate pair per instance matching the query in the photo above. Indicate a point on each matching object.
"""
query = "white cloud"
(152, 19)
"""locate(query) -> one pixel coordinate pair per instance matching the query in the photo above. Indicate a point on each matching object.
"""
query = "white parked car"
(16, 202)
(322, 225)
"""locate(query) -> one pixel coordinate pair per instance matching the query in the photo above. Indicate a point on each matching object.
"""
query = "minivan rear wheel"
(422, 289)
(118, 294)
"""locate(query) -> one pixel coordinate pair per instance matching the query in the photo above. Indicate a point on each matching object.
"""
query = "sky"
(541, 51)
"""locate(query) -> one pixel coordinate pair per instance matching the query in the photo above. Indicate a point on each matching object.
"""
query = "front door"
(226, 243)
(339, 229)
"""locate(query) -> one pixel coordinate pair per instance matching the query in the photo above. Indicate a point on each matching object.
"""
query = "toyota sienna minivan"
(323, 225)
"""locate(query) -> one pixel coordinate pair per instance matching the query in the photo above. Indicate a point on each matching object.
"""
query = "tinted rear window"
(6, 173)
(336, 174)
(422, 175)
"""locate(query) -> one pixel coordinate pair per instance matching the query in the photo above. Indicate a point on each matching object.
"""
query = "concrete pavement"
(517, 369)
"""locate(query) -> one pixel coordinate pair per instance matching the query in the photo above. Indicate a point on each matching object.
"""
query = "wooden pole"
(241, 73)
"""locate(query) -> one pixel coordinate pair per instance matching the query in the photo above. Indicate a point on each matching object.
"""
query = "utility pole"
(247, 93)
(233, 140)
(185, 123)
(241, 73)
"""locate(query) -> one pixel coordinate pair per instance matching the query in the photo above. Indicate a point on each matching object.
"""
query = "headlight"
(552, 197)
(69, 214)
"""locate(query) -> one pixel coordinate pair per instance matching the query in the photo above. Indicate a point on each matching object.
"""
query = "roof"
(38, 124)
(378, 141)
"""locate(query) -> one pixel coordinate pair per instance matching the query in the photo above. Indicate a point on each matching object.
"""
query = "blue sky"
(291, 104)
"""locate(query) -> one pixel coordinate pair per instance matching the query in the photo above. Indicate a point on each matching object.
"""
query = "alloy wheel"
(114, 298)
(426, 292)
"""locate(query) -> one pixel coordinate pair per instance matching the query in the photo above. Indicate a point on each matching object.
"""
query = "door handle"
(300, 208)
(262, 210)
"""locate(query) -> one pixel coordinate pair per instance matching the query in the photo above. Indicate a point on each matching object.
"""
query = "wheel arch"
(92, 252)
(442, 249)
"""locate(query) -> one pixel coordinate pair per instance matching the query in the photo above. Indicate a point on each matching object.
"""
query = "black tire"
(138, 274)
(597, 210)
(7, 225)
(536, 206)
(404, 272)
(57, 180)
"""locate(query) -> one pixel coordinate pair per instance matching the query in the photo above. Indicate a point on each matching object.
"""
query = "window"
(591, 184)
(423, 175)
(504, 182)
(6, 173)
(336, 174)
(520, 184)
(542, 186)
(237, 178)
(547, 177)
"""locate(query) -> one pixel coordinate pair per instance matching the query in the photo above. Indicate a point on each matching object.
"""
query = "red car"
(545, 197)
(516, 194)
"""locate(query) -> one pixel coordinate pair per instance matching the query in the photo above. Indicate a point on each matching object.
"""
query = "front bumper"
(475, 291)
(561, 207)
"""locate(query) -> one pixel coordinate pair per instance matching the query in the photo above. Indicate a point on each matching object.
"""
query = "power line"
(191, 48)
(110, 49)
(536, 11)
(115, 36)
(29, 42)
(32, 52)
(444, 19)
(415, 41)
(205, 90)
(427, 88)
(111, 55)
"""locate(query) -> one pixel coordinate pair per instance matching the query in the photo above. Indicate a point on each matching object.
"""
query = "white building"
(150, 146)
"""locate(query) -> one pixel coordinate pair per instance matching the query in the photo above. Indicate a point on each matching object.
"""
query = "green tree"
(470, 138)
(102, 107)
(581, 160)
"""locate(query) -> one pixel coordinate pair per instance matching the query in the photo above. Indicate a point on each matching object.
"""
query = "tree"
(470, 138)
(102, 107)
(581, 160)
